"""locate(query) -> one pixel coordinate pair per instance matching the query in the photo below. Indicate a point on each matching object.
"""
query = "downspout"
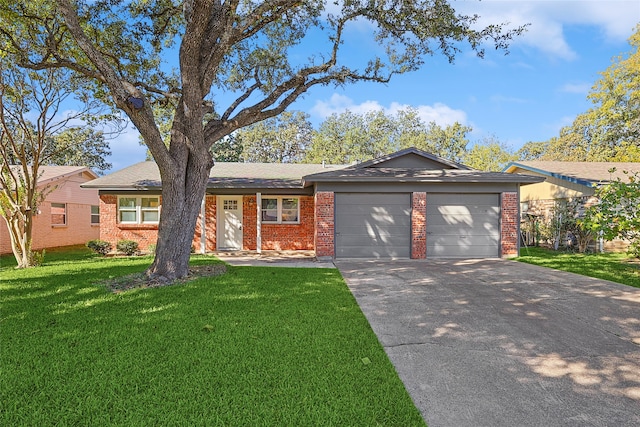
(259, 223)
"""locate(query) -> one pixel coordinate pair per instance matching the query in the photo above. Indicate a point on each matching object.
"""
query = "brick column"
(324, 224)
(419, 225)
(509, 220)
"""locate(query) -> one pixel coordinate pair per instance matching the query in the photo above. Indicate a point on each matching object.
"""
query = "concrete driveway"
(501, 343)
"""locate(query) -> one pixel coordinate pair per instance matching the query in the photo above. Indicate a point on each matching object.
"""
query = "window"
(230, 205)
(281, 210)
(95, 214)
(138, 210)
(58, 214)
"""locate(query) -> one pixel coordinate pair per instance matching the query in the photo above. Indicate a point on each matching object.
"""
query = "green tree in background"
(449, 142)
(280, 139)
(610, 131)
(532, 150)
(78, 146)
(349, 137)
(489, 155)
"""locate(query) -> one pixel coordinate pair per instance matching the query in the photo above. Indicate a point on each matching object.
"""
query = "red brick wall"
(419, 225)
(111, 231)
(509, 224)
(324, 224)
(274, 236)
(278, 236)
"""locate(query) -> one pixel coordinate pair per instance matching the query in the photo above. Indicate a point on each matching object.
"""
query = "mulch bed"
(141, 281)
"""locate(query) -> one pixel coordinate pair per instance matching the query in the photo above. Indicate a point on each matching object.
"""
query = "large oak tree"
(253, 50)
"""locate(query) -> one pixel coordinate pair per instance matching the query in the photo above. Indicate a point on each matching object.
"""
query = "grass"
(616, 267)
(253, 347)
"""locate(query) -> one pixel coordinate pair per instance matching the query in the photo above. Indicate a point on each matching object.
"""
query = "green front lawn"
(256, 346)
(616, 267)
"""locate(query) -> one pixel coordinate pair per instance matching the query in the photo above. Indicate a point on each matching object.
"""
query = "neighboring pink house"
(69, 215)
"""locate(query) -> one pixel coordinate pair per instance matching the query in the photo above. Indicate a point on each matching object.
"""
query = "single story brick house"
(567, 181)
(69, 214)
(409, 204)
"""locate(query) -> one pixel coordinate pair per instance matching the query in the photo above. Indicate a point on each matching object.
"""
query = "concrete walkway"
(500, 343)
(303, 259)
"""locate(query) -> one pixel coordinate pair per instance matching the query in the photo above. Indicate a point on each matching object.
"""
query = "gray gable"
(411, 158)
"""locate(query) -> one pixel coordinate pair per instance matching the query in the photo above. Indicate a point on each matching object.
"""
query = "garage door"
(463, 225)
(373, 225)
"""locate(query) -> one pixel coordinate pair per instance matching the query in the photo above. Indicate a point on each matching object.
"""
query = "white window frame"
(279, 200)
(95, 215)
(64, 215)
(138, 209)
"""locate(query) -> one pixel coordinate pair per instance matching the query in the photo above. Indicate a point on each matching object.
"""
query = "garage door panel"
(462, 221)
(457, 251)
(464, 241)
(465, 199)
(463, 225)
(373, 225)
(360, 240)
(371, 252)
(364, 221)
(463, 210)
(449, 233)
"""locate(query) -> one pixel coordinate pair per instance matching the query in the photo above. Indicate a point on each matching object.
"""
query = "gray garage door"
(463, 225)
(373, 225)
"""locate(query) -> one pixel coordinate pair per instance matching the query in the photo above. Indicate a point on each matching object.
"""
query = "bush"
(128, 247)
(101, 247)
(37, 258)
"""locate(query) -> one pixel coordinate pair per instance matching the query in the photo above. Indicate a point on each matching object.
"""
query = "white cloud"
(502, 99)
(577, 88)
(440, 113)
(616, 20)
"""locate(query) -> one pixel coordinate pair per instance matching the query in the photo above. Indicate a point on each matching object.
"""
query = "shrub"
(101, 247)
(127, 247)
(37, 258)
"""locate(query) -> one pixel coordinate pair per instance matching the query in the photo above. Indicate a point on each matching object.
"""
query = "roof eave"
(514, 165)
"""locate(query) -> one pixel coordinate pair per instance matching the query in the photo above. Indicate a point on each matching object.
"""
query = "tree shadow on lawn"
(255, 342)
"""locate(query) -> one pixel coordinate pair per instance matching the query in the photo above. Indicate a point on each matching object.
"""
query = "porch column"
(259, 223)
(203, 226)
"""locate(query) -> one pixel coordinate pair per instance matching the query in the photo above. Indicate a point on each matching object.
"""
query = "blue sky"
(527, 95)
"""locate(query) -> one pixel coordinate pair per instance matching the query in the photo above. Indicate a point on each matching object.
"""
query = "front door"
(229, 222)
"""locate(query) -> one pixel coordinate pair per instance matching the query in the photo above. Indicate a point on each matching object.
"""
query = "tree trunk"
(19, 226)
(182, 193)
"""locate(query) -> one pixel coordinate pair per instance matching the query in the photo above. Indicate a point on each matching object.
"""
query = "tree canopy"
(238, 62)
(280, 139)
(350, 137)
(610, 130)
